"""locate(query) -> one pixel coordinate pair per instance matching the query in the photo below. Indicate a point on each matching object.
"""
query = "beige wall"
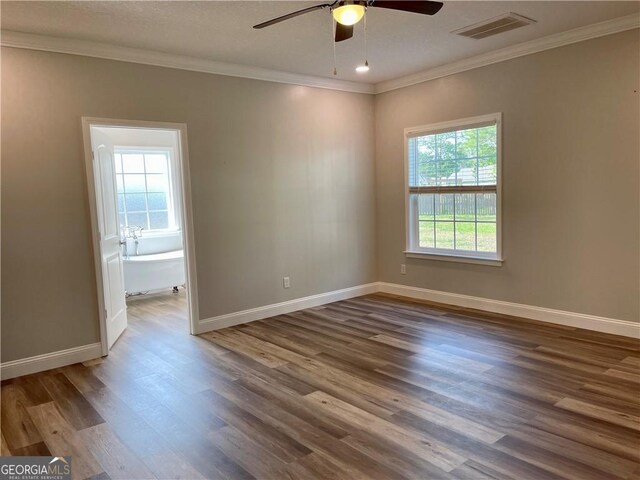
(570, 177)
(282, 183)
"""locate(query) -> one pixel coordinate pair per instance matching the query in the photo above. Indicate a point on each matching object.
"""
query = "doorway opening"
(143, 236)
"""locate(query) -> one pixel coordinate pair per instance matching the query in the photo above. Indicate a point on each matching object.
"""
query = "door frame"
(186, 221)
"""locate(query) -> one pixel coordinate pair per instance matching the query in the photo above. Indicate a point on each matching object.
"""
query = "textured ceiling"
(399, 43)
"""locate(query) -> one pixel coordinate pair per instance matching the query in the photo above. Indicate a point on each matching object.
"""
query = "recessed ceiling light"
(363, 68)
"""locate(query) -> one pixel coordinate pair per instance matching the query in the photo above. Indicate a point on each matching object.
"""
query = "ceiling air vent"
(495, 25)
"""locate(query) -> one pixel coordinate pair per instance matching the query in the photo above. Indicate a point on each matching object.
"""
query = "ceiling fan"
(349, 12)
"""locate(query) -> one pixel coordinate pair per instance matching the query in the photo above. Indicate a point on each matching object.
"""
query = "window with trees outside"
(453, 188)
(145, 193)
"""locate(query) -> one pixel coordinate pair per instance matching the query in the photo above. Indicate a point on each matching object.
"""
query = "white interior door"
(109, 232)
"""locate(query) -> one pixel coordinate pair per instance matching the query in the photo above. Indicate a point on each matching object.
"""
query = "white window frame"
(174, 185)
(413, 250)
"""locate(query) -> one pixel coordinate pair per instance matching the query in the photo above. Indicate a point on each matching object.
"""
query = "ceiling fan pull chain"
(333, 41)
(366, 54)
(364, 67)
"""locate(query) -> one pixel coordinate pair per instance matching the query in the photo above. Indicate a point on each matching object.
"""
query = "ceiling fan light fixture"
(348, 14)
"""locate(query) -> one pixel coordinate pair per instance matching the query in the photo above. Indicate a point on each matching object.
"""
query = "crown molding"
(580, 34)
(147, 57)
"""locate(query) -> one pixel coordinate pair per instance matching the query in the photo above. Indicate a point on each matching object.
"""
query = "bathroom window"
(145, 192)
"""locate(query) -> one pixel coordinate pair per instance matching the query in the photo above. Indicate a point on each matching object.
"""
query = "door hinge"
(105, 313)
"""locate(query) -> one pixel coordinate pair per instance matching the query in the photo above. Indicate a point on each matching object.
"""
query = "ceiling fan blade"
(424, 7)
(343, 32)
(273, 21)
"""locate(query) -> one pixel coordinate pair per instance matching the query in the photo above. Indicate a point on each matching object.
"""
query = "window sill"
(494, 262)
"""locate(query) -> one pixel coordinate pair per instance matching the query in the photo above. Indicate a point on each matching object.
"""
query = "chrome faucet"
(123, 243)
(134, 232)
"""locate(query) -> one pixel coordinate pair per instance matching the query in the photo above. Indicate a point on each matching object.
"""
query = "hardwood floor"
(370, 388)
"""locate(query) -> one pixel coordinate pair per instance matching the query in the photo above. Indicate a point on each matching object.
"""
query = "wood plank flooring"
(375, 387)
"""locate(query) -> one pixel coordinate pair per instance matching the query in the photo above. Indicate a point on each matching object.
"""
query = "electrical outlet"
(286, 283)
(403, 269)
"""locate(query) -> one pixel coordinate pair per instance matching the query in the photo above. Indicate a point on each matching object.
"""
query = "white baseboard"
(40, 363)
(84, 353)
(560, 317)
(289, 306)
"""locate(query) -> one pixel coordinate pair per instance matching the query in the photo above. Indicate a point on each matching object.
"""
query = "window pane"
(132, 163)
(446, 145)
(426, 148)
(444, 235)
(137, 219)
(465, 207)
(157, 183)
(487, 141)
(135, 202)
(465, 236)
(159, 220)
(426, 159)
(156, 163)
(486, 237)
(424, 164)
(118, 160)
(426, 231)
(157, 201)
(468, 172)
(120, 202)
(487, 173)
(119, 184)
(121, 219)
(466, 144)
(486, 205)
(428, 173)
(134, 183)
(425, 207)
(447, 172)
(444, 206)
